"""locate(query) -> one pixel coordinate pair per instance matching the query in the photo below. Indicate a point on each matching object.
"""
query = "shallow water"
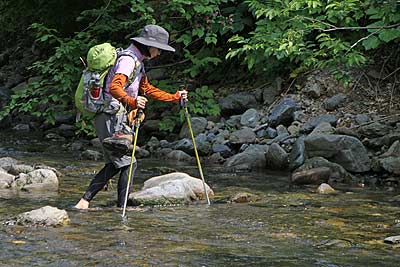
(287, 227)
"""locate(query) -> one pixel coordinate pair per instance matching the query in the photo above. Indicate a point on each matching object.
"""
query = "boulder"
(297, 155)
(311, 124)
(374, 129)
(45, 216)
(7, 162)
(250, 118)
(40, 179)
(335, 102)
(276, 157)
(283, 112)
(242, 136)
(20, 168)
(311, 176)
(178, 155)
(338, 173)
(237, 103)
(6, 179)
(251, 158)
(345, 150)
(198, 124)
(173, 188)
(91, 155)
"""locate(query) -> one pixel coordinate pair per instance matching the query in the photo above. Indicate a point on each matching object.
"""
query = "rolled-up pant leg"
(122, 183)
(100, 180)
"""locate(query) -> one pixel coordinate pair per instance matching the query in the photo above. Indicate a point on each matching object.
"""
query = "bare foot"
(82, 204)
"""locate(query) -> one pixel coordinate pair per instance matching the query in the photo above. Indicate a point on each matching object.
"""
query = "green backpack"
(89, 96)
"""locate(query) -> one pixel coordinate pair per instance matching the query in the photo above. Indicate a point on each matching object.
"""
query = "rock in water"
(325, 189)
(45, 216)
(172, 188)
(392, 239)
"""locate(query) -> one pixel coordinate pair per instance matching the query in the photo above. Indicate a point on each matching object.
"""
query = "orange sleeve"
(117, 91)
(149, 90)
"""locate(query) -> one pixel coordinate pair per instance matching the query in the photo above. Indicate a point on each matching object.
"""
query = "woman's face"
(154, 52)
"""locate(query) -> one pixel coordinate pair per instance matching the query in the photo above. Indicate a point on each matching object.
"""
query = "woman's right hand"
(141, 102)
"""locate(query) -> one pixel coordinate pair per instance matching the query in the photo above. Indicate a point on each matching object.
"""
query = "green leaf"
(388, 35)
(371, 43)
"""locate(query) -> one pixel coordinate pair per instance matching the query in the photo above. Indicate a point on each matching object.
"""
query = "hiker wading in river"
(112, 128)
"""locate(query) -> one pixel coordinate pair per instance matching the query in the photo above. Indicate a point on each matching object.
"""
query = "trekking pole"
(183, 106)
(136, 126)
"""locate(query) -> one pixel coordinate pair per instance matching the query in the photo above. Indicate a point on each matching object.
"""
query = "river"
(287, 227)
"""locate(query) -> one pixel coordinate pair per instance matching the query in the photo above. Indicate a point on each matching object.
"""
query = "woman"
(124, 83)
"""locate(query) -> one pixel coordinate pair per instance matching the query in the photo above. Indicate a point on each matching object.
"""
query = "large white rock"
(41, 179)
(172, 188)
(45, 216)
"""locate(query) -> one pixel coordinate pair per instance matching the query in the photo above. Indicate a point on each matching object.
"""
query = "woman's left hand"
(183, 94)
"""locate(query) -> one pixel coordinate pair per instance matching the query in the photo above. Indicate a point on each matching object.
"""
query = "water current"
(288, 226)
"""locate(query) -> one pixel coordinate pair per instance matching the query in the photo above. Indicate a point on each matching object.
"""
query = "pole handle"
(182, 103)
(139, 113)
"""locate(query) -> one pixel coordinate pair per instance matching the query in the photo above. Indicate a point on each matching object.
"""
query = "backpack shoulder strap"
(125, 52)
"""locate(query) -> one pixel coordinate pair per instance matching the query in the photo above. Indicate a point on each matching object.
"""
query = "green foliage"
(212, 37)
(316, 34)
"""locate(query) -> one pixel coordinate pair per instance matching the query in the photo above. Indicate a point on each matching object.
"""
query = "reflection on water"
(288, 227)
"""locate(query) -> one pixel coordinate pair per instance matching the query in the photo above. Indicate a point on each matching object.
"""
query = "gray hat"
(154, 36)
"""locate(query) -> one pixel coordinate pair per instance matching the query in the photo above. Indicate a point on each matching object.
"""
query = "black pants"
(105, 174)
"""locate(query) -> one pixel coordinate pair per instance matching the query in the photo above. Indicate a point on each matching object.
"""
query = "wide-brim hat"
(154, 36)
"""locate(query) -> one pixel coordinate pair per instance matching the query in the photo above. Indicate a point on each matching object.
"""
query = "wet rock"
(245, 197)
(374, 129)
(393, 151)
(153, 144)
(173, 188)
(392, 239)
(345, 150)
(178, 155)
(335, 102)
(362, 118)
(297, 155)
(390, 164)
(237, 103)
(234, 121)
(66, 130)
(271, 92)
(311, 176)
(323, 128)
(199, 124)
(216, 158)
(250, 118)
(283, 112)
(224, 150)
(142, 153)
(311, 124)
(45, 216)
(20, 168)
(347, 131)
(40, 179)
(325, 189)
(339, 243)
(6, 179)
(338, 173)
(242, 136)
(276, 157)
(91, 155)
(21, 128)
(7, 162)
(251, 158)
